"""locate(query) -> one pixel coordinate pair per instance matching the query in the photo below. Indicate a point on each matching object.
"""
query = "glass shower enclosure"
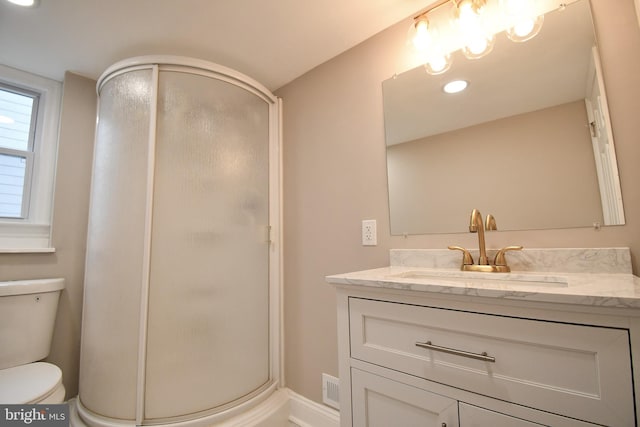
(181, 320)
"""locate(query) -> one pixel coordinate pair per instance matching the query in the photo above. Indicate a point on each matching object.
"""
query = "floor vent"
(331, 391)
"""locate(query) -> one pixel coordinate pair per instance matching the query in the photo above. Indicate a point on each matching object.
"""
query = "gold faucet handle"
(490, 223)
(500, 258)
(467, 259)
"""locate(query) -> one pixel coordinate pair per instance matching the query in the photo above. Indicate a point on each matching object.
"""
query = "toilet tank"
(27, 316)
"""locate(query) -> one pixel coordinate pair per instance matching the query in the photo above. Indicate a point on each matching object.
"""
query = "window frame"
(33, 232)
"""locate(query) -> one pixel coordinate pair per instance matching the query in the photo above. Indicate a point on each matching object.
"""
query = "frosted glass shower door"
(208, 324)
(115, 247)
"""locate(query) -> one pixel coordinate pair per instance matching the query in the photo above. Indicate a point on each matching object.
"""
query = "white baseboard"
(307, 413)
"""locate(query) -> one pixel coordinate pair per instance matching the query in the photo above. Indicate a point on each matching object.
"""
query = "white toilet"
(27, 316)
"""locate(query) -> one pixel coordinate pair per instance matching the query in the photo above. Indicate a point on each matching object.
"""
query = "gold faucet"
(499, 265)
(477, 226)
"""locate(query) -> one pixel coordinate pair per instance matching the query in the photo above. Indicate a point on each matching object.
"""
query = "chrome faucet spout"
(476, 225)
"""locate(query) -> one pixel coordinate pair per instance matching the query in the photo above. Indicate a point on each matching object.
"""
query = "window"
(18, 113)
(29, 115)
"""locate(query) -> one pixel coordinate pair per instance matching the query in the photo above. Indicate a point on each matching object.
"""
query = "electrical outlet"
(369, 234)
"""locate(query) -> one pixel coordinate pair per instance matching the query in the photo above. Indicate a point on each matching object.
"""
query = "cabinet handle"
(479, 356)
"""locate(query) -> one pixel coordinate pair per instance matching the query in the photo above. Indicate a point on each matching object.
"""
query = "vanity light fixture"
(455, 86)
(471, 27)
(24, 3)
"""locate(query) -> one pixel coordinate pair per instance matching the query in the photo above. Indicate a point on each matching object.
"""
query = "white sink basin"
(522, 279)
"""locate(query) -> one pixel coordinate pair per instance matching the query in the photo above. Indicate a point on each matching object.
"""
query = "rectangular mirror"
(529, 140)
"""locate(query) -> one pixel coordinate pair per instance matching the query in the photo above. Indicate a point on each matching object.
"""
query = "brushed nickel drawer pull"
(479, 356)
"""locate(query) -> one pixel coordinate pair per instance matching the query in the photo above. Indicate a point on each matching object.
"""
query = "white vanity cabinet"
(421, 359)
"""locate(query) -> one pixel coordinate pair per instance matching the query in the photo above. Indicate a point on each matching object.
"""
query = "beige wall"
(335, 176)
(73, 176)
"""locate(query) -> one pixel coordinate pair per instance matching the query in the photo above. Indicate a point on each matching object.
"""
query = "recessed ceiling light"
(24, 3)
(455, 86)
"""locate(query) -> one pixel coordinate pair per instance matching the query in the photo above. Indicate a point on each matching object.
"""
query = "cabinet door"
(473, 416)
(381, 402)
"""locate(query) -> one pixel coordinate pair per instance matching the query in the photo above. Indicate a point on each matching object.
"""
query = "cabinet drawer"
(572, 370)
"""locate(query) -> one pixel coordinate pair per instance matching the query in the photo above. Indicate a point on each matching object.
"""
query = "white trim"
(18, 234)
(276, 306)
(44, 167)
(272, 412)
(168, 60)
(614, 198)
(307, 413)
(146, 256)
(27, 250)
(281, 239)
(218, 76)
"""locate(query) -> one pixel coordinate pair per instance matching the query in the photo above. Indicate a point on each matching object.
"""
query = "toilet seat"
(33, 383)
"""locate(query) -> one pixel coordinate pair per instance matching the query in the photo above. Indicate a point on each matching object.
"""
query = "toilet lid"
(28, 383)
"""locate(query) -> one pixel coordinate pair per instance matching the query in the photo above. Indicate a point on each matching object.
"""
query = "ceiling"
(273, 41)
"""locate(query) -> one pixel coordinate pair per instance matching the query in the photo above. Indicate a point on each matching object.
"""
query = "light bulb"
(438, 64)
(478, 47)
(525, 28)
(471, 26)
(523, 19)
(421, 39)
(419, 35)
(468, 12)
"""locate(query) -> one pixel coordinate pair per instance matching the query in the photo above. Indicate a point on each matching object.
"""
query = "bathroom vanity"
(554, 342)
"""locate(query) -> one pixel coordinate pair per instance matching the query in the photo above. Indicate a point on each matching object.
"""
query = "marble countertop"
(592, 289)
